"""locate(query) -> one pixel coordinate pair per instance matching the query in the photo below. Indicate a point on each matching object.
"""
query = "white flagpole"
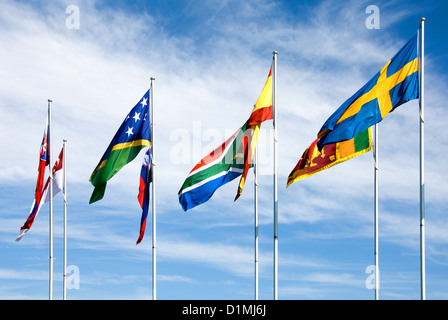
(256, 219)
(375, 155)
(65, 219)
(422, 180)
(49, 150)
(274, 122)
(154, 297)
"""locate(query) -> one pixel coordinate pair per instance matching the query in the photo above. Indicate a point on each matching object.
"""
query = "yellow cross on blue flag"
(395, 84)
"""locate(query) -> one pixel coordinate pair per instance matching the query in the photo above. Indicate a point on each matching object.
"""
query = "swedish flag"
(395, 84)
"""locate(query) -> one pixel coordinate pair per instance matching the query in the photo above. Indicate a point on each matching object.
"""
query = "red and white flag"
(45, 194)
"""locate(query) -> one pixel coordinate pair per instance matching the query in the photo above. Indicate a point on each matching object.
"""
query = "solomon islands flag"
(133, 135)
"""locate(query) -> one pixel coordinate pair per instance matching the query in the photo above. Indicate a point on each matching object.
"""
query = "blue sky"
(210, 60)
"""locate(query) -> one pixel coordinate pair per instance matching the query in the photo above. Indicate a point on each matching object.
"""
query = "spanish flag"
(261, 112)
(314, 161)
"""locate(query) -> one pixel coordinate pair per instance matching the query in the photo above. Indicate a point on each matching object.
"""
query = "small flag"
(45, 195)
(395, 84)
(143, 192)
(133, 135)
(314, 161)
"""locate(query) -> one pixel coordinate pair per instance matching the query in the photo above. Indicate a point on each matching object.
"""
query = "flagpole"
(422, 180)
(153, 185)
(375, 159)
(50, 151)
(256, 219)
(274, 122)
(65, 219)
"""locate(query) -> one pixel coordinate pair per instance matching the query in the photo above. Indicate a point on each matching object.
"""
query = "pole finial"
(422, 19)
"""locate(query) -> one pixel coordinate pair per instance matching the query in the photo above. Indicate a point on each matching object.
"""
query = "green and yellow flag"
(133, 135)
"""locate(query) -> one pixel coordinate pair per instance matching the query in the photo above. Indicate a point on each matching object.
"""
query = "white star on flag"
(136, 117)
(143, 103)
(129, 132)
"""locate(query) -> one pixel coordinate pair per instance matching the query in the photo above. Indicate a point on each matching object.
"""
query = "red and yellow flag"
(313, 161)
(262, 111)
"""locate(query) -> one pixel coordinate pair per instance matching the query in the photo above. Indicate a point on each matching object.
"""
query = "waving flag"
(133, 135)
(221, 166)
(143, 192)
(314, 161)
(263, 107)
(45, 195)
(230, 160)
(395, 84)
(44, 161)
(260, 113)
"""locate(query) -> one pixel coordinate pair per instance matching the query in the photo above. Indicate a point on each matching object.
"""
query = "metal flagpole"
(422, 180)
(274, 122)
(153, 164)
(375, 159)
(49, 150)
(256, 219)
(65, 219)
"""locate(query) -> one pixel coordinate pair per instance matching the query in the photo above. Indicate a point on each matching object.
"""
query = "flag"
(314, 161)
(133, 135)
(219, 167)
(261, 112)
(45, 195)
(263, 107)
(395, 84)
(44, 161)
(143, 191)
(230, 160)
